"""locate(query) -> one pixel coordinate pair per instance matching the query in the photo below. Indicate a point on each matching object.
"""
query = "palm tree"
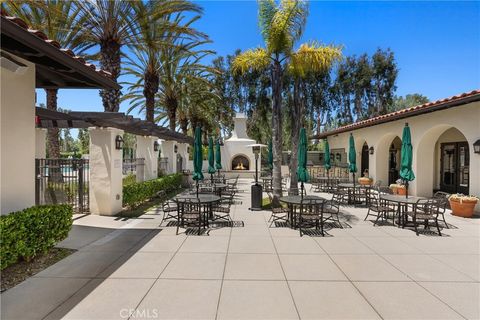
(308, 59)
(153, 25)
(179, 63)
(58, 19)
(281, 26)
(107, 24)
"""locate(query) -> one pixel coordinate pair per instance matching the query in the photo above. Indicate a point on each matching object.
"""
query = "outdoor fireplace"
(240, 162)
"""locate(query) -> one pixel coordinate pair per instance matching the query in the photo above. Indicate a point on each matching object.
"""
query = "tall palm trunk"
(171, 106)
(110, 61)
(277, 129)
(296, 123)
(183, 121)
(53, 143)
(152, 82)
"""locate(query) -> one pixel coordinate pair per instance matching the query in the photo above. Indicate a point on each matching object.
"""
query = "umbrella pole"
(301, 189)
(328, 179)
(406, 189)
(197, 187)
(354, 197)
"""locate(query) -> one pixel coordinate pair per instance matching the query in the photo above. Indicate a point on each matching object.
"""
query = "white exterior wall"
(426, 130)
(17, 139)
(168, 152)
(105, 189)
(40, 143)
(145, 150)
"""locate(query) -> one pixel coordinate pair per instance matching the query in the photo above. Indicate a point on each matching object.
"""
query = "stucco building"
(444, 133)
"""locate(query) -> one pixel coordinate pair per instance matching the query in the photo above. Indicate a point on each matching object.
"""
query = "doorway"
(365, 160)
(394, 160)
(454, 164)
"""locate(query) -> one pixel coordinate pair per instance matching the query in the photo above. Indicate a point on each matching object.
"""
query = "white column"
(145, 150)
(168, 151)
(40, 143)
(105, 186)
(17, 138)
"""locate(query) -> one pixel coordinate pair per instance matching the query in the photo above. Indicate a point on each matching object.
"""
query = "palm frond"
(313, 57)
(254, 59)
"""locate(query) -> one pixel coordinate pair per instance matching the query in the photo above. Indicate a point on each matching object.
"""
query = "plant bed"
(134, 212)
(22, 270)
(462, 206)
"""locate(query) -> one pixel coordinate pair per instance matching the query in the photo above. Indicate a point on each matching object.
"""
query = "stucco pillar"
(145, 150)
(183, 153)
(168, 151)
(40, 143)
(17, 138)
(105, 187)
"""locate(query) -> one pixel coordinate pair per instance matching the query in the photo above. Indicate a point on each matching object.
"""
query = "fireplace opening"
(240, 162)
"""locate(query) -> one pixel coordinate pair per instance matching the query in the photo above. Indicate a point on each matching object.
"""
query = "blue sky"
(436, 44)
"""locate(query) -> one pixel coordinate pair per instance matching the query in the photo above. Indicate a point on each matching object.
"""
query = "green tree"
(410, 100)
(153, 24)
(83, 141)
(281, 26)
(58, 19)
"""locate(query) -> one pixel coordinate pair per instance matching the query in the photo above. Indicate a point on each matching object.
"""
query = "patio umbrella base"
(257, 193)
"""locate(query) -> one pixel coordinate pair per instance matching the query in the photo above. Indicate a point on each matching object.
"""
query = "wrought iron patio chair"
(221, 210)
(170, 210)
(423, 211)
(190, 214)
(279, 213)
(331, 209)
(443, 199)
(311, 215)
(378, 208)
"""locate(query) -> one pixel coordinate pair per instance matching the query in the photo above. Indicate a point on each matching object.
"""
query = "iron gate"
(63, 181)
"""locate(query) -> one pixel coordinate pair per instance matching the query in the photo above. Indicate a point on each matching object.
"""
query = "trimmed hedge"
(32, 231)
(136, 193)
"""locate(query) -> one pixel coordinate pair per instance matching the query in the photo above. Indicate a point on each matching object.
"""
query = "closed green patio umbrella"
(197, 157)
(211, 158)
(327, 162)
(352, 159)
(406, 171)
(218, 157)
(302, 172)
(270, 156)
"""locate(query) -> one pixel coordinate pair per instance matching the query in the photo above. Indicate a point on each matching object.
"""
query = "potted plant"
(364, 181)
(462, 205)
(399, 189)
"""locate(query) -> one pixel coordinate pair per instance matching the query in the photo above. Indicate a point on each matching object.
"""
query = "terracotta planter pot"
(402, 191)
(463, 209)
(394, 190)
(365, 181)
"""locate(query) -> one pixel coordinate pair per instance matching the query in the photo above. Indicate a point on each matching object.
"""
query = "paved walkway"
(135, 267)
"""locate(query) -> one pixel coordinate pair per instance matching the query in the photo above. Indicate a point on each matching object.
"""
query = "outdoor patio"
(250, 271)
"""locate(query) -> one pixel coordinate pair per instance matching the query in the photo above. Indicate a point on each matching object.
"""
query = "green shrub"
(136, 193)
(32, 231)
(129, 179)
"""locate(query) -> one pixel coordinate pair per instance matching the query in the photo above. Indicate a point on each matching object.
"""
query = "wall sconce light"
(371, 150)
(119, 142)
(175, 148)
(156, 146)
(476, 146)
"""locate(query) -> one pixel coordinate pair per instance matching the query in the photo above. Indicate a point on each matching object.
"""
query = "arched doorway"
(394, 160)
(454, 162)
(365, 168)
(445, 161)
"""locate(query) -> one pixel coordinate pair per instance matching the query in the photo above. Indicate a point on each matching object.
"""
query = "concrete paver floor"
(139, 269)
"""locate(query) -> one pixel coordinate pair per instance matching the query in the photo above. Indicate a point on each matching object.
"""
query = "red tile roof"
(54, 43)
(453, 101)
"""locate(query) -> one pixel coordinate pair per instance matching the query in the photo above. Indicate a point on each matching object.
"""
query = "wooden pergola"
(53, 119)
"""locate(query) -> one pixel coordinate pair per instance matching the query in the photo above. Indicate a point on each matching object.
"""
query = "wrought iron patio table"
(295, 201)
(207, 201)
(402, 203)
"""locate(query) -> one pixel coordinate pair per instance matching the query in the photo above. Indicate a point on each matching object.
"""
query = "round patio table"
(206, 200)
(218, 187)
(402, 203)
(295, 201)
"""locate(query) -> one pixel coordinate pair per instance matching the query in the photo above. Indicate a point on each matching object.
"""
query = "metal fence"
(63, 181)
(131, 166)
